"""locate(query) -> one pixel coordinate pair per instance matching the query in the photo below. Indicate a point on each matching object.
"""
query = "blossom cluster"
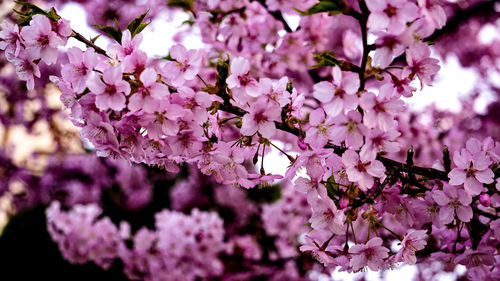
(76, 179)
(163, 254)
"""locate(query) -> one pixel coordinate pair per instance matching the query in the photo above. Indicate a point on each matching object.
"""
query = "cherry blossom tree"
(171, 183)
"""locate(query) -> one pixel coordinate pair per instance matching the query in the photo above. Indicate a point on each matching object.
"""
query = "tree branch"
(363, 19)
(276, 14)
(393, 164)
(80, 38)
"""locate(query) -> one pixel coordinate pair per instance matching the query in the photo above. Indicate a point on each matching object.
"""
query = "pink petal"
(440, 198)
(323, 91)
(267, 129)
(485, 176)
(350, 84)
(464, 213)
(472, 186)
(350, 158)
(240, 66)
(376, 169)
(316, 117)
(457, 176)
(446, 215)
(334, 107)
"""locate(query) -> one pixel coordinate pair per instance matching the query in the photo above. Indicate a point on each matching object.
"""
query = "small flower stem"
(353, 234)
(205, 83)
(369, 230)
(346, 246)
(392, 232)
(262, 172)
(459, 230)
(284, 153)
(323, 247)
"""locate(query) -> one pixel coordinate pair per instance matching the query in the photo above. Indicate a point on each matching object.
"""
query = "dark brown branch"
(401, 167)
(363, 19)
(276, 14)
(485, 214)
(427, 172)
(80, 38)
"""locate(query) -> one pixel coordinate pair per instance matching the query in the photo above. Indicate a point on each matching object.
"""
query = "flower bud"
(302, 145)
(484, 199)
(344, 202)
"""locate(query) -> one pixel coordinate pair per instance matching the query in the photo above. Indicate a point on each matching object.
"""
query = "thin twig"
(80, 38)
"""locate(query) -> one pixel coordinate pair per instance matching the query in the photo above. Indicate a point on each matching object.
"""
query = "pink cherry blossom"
(420, 63)
(389, 46)
(26, 68)
(349, 128)
(391, 15)
(472, 171)
(185, 65)
(433, 13)
(240, 82)
(413, 241)
(150, 94)
(362, 169)
(111, 90)
(379, 111)
(339, 95)
(10, 39)
(316, 251)
(40, 40)
(127, 47)
(321, 130)
(79, 68)
(326, 215)
(260, 118)
(371, 254)
(453, 201)
(379, 141)
(275, 91)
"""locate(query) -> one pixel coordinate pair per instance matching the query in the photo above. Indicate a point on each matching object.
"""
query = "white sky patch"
(78, 19)
(158, 36)
(488, 34)
(450, 84)
(293, 20)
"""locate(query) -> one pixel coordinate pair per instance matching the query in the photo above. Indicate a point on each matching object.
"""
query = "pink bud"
(484, 199)
(302, 145)
(344, 202)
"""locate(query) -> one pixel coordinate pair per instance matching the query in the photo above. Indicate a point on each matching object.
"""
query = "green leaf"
(183, 4)
(332, 188)
(94, 39)
(289, 86)
(222, 73)
(112, 32)
(326, 59)
(330, 6)
(168, 57)
(53, 14)
(35, 10)
(136, 25)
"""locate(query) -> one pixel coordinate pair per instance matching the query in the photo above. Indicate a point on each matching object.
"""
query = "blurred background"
(43, 158)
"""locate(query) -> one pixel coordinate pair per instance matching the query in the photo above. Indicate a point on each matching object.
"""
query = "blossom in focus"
(413, 241)
(111, 90)
(371, 254)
